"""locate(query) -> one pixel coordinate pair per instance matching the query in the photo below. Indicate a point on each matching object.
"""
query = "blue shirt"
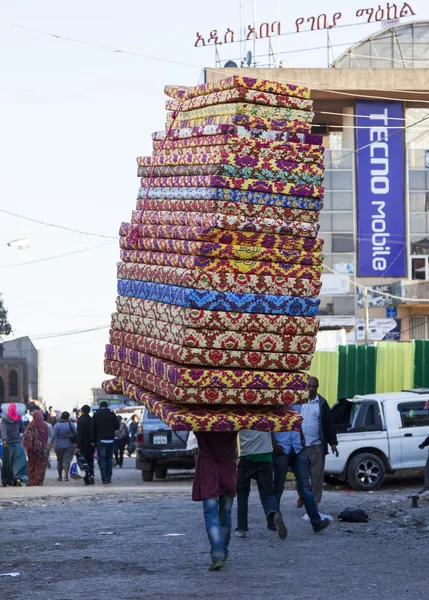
(288, 441)
(311, 423)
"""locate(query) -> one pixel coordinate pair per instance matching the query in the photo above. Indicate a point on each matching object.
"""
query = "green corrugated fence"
(383, 367)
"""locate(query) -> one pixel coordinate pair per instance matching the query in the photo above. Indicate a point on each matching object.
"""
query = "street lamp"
(21, 244)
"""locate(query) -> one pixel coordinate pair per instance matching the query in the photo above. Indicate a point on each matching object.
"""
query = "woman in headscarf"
(36, 444)
(14, 467)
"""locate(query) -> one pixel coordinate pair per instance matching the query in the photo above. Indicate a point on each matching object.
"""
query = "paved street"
(146, 541)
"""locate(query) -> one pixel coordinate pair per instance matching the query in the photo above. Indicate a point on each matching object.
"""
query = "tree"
(5, 327)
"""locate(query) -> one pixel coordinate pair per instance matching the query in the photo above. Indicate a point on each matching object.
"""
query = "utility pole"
(365, 299)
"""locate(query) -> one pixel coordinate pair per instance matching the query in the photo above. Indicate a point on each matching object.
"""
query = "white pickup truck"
(382, 436)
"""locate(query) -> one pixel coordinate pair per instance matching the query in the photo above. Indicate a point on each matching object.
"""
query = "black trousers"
(262, 473)
(88, 455)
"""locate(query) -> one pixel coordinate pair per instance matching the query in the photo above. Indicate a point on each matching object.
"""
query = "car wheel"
(147, 475)
(160, 473)
(365, 472)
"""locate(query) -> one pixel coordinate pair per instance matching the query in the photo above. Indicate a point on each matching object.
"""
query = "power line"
(12, 214)
(32, 262)
(46, 336)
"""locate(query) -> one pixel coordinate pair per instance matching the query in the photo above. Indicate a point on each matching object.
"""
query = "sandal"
(59, 479)
(66, 479)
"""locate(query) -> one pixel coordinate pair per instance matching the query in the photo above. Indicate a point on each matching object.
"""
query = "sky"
(73, 118)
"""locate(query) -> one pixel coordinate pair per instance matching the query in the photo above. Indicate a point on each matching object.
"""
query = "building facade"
(372, 108)
(18, 371)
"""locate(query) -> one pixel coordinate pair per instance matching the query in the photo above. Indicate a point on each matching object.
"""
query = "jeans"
(217, 515)
(119, 451)
(299, 466)
(262, 473)
(105, 460)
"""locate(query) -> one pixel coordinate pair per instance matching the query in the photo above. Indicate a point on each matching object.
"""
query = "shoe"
(299, 503)
(241, 534)
(217, 565)
(91, 480)
(59, 479)
(280, 525)
(271, 526)
(321, 525)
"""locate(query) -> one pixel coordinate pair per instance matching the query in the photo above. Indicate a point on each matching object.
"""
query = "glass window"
(343, 242)
(417, 180)
(342, 200)
(419, 268)
(13, 382)
(419, 328)
(327, 238)
(342, 180)
(419, 201)
(328, 180)
(419, 244)
(419, 222)
(342, 221)
(414, 414)
(326, 306)
(344, 305)
(417, 159)
(325, 221)
(339, 159)
(327, 200)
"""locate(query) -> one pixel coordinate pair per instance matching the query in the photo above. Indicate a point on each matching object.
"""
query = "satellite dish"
(230, 64)
(247, 60)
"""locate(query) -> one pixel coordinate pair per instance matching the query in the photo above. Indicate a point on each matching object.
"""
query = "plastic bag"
(191, 444)
(75, 471)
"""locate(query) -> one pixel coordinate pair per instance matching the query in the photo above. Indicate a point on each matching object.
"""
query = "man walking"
(84, 442)
(214, 484)
(104, 423)
(256, 462)
(319, 430)
(289, 452)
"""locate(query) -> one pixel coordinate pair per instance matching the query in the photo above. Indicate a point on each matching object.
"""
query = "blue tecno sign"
(381, 189)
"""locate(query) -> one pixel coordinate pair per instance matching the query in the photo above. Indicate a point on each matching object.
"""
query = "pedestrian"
(27, 418)
(84, 442)
(215, 483)
(256, 462)
(52, 419)
(103, 426)
(289, 452)
(50, 436)
(319, 430)
(64, 440)
(132, 430)
(121, 440)
(36, 444)
(422, 446)
(14, 463)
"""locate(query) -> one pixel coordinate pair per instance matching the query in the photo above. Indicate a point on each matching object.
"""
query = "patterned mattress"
(215, 323)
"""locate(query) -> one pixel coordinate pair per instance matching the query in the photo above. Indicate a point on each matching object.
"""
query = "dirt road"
(147, 542)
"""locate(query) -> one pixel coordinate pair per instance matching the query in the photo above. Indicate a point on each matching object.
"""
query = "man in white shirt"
(319, 431)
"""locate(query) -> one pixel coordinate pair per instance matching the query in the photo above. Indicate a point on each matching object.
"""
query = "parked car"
(160, 448)
(383, 436)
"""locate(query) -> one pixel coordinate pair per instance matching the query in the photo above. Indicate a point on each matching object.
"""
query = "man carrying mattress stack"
(220, 270)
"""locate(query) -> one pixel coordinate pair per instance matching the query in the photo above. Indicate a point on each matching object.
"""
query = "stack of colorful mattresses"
(216, 315)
